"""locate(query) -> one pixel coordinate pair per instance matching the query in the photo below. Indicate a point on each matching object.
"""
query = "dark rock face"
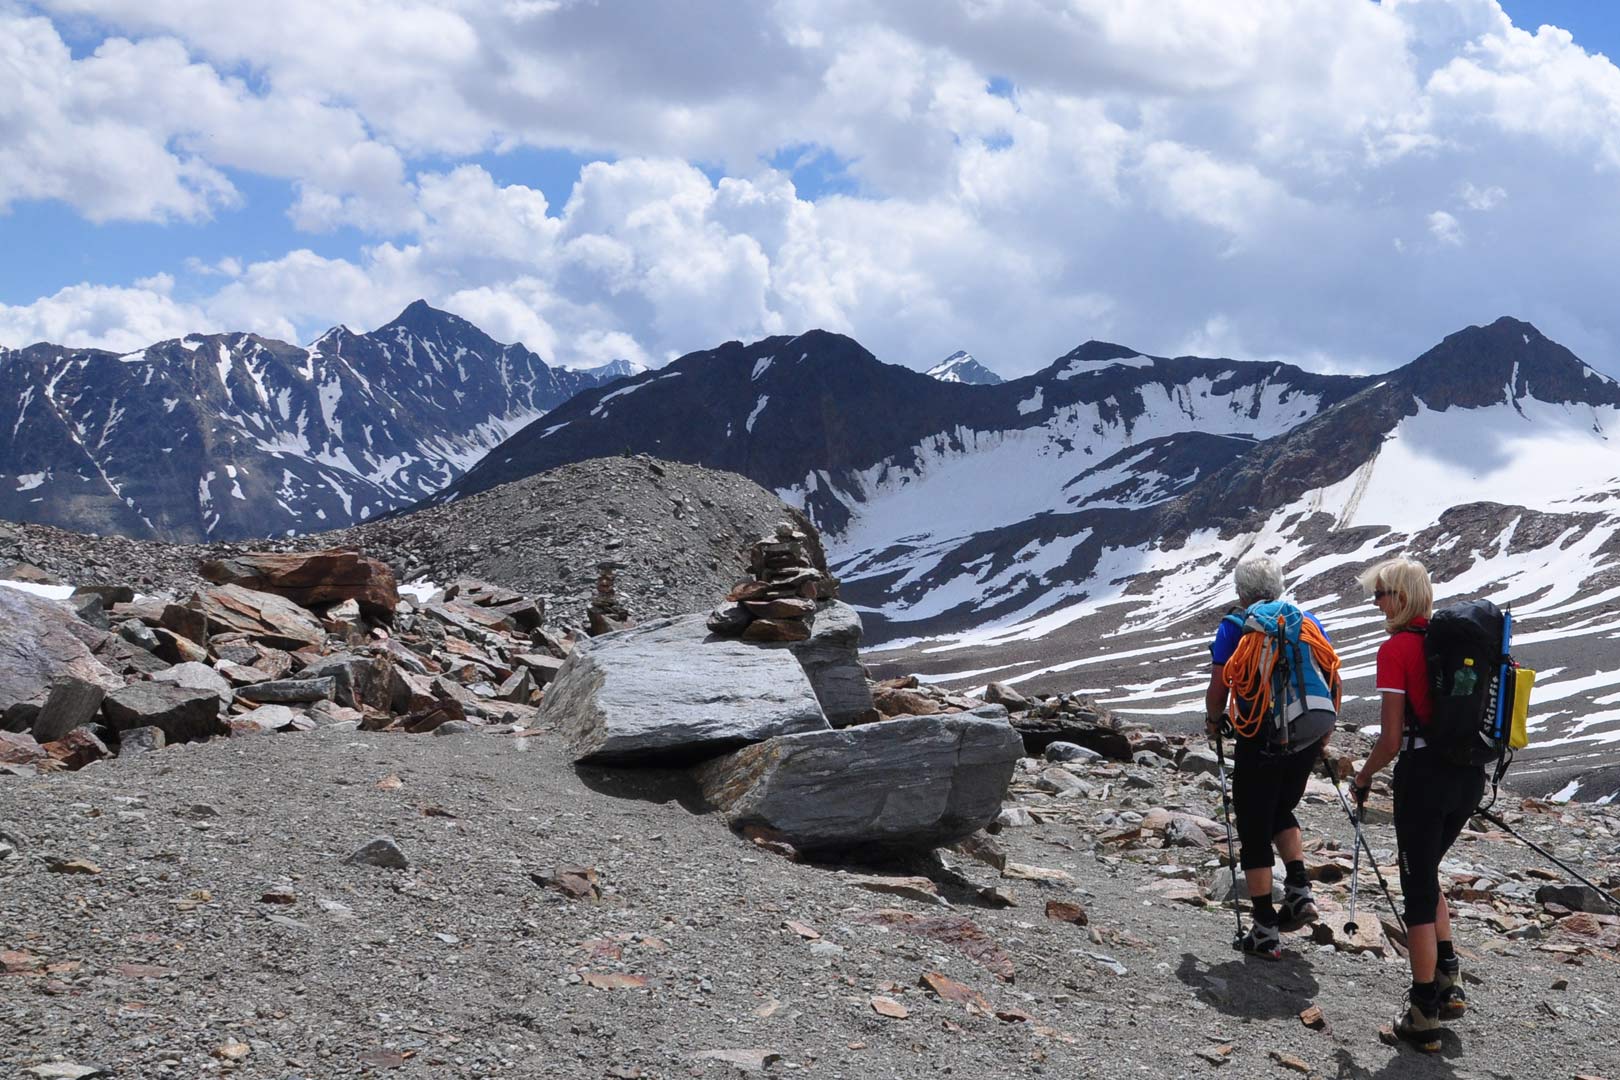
(234, 435)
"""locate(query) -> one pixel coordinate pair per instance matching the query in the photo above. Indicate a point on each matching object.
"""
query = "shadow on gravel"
(1251, 988)
(648, 785)
(1407, 1064)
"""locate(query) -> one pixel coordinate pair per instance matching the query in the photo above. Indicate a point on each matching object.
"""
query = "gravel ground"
(170, 962)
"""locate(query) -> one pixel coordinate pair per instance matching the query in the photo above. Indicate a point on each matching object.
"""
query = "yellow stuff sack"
(1523, 680)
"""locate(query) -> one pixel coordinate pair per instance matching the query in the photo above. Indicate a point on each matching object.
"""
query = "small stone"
(233, 1051)
(1065, 911)
(575, 882)
(380, 851)
(1312, 1018)
(887, 1006)
(614, 980)
(1013, 817)
(64, 1070)
(279, 894)
(141, 740)
(1067, 751)
(749, 1061)
(1289, 1061)
(74, 866)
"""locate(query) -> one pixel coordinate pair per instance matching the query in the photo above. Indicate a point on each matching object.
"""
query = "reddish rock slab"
(266, 617)
(77, 749)
(313, 578)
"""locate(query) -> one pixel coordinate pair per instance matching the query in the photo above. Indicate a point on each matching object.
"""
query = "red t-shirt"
(1403, 670)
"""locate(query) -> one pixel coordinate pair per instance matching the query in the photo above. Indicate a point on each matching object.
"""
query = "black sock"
(1445, 952)
(1296, 873)
(1264, 913)
(1426, 995)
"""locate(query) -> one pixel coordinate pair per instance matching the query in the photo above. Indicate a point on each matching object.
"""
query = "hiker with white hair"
(1274, 690)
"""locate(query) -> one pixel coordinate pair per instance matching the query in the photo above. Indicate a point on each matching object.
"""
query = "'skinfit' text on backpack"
(1282, 669)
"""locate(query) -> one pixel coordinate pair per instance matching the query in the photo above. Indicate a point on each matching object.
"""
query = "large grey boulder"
(910, 782)
(183, 713)
(831, 660)
(38, 647)
(669, 693)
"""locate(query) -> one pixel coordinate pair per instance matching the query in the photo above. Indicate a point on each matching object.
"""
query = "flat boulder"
(312, 578)
(182, 712)
(668, 693)
(915, 782)
(39, 647)
(265, 617)
(198, 676)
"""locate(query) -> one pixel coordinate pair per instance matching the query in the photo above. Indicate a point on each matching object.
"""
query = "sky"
(1338, 183)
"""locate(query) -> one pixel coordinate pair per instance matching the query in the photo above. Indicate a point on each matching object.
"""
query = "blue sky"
(1337, 184)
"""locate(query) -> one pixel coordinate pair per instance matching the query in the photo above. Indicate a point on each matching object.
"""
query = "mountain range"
(220, 436)
(1042, 531)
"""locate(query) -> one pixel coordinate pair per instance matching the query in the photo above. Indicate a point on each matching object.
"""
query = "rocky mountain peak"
(1504, 362)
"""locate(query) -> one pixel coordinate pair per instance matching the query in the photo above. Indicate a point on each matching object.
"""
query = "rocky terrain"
(680, 532)
(346, 832)
(193, 913)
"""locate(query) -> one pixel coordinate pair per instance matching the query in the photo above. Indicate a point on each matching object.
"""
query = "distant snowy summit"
(960, 367)
(613, 369)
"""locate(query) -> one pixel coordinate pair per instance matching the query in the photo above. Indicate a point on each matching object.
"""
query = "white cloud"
(102, 317)
(1445, 228)
(1262, 176)
(1478, 198)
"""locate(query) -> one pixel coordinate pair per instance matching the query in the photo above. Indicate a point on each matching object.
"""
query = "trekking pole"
(1544, 853)
(1361, 845)
(1231, 857)
(1350, 926)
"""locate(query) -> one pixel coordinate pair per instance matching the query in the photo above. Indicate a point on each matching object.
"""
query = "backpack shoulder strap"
(1414, 727)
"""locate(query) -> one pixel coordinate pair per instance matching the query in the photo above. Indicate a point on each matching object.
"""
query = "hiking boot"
(1298, 908)
(1419, 1024)
(1448, 981)
(1262, 941)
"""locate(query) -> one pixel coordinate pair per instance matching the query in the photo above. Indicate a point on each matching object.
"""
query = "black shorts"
(1265, 791)
(1433, 801)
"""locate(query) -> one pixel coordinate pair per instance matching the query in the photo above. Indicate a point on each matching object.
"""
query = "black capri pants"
(1265, 790)
(1434, 799)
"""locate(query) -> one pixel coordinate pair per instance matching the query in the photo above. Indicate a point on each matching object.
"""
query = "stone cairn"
(606, 613)
(777, 600)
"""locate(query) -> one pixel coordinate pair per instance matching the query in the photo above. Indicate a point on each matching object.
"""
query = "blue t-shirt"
(1229, 633)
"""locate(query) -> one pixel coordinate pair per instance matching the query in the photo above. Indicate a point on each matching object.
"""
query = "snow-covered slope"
(1491, 458)
(961, 367)
(234, 435)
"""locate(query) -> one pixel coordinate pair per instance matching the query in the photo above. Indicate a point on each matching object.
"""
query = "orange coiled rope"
(1249, 674)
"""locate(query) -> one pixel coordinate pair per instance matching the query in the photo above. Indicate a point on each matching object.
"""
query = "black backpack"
(1466, 648)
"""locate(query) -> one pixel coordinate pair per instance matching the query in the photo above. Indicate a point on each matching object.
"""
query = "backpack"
(1284, 677)
(1475, 687)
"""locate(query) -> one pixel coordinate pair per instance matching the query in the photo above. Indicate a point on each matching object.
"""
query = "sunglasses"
(1379, 594)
